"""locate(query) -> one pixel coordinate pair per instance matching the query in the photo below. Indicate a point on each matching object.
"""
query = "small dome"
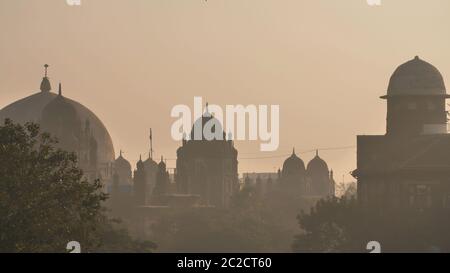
(150, 163)
(418, 78)
(317, 165)
(122, 163)
(293, 165)
(140, 164)
(162, 165)
(45, 85)
(123, 169)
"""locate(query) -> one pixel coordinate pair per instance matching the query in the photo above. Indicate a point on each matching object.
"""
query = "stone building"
(207, 168)
(409, 166)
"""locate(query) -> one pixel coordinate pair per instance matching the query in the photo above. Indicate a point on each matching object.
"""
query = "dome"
(317, 165)
(418, 78)
(293, 165)
(207, 118)
(150, 163)
(123, 169)
(122, 164)
(31, 109)
(60, 118)
(162, 165)
(140, 164)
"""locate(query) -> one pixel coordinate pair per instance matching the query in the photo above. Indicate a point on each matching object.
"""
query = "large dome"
(418, 78)
(31, 108)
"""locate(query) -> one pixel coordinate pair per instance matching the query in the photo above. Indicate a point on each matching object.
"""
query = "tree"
(44, 200)
(252, 223)
(343, 225)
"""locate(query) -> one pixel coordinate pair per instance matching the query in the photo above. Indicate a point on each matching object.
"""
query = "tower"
(151, 170)
(161, 188)
(416, 100)
(139, 186)
(409, 166)
(207, 163)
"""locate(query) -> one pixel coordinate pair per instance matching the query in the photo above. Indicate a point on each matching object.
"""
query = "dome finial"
(416, 57)
(207, 114)
(293, 151)
(60, 90)
(45, 84)
(121, 152)
(317, 152)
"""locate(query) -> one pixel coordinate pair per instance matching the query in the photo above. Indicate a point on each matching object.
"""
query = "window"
(420, 196)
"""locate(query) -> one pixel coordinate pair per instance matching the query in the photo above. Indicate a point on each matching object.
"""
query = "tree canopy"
(45, 202)
(343, 225)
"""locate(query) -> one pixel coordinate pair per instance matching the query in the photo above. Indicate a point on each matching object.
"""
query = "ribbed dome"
(317, 166)
(31, 109)
(60, 118)
(293, 165)
(416, 77)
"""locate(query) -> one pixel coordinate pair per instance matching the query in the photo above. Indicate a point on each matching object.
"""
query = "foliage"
(253, 223)
(44, 200)
(343, 225)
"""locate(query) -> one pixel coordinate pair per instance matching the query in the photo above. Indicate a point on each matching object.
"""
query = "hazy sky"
(325, 62)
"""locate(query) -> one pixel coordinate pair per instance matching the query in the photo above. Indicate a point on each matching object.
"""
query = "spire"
(293, 151)
(60, 90)
(317, 153)
(45, 84)
(121, 152)
(207, 114)
(151, 144)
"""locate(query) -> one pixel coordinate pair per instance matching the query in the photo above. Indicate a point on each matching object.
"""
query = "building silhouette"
(410, 165)
(122, 168)
(77, 128)
(207, 166)
(140, 184)
(316, 180)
